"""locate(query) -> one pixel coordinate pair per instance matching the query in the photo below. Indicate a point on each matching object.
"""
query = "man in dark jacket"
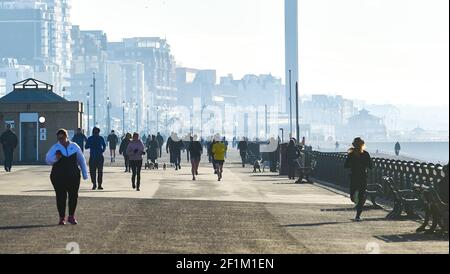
(160, 140)
(113, 140)
(123, 151)
(97, 146)
(80, 139)
(152, 149)
(293, 153)
(397, 148)
(9, 142)
(243, 148)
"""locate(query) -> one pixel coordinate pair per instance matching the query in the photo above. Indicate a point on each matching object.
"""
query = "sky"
(380, 51)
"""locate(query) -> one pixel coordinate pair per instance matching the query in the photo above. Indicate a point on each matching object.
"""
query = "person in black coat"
(243, 148)
(359, 162)
(153, 149)
(123, 151)
(293, 153)
(195, 150)
(160, 140)
(9, 143)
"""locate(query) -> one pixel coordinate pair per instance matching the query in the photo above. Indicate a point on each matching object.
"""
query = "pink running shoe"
(72, 220)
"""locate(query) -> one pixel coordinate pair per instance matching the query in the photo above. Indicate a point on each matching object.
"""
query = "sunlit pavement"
(245, 213)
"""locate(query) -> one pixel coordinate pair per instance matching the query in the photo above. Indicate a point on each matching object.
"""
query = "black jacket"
(243, 147)
(293, 153)
(359, 163)
(9, 139)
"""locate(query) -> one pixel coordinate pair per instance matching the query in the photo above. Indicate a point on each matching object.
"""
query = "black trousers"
(8, 153)
(96, 170)
(244, 158)
(358, 183)
(177, 157)
(292, 167)
(127, 163)
(136, 167)
(66, 188)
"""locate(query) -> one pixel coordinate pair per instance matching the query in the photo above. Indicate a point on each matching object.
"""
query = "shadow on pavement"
(416, 237)
(316, 224)
(26, 227)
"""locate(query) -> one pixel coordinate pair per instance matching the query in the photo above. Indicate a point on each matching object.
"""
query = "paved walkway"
(246, 213)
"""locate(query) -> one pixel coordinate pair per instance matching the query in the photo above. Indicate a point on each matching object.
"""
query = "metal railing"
(330, 168)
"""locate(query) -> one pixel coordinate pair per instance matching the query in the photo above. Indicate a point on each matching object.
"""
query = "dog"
(265, 165)
(257, 166)
(164, 167)
(151, 166)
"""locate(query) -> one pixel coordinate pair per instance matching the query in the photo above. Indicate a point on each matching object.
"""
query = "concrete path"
(245, 213)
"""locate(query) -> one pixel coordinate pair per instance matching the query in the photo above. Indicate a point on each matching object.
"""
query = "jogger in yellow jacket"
(218, 150)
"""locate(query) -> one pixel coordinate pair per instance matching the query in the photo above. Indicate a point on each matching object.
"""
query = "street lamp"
(123, 117)
(148, 119)
(137, 117)
(93, 86)
(201, 121)
(108, 108)
(88, 114)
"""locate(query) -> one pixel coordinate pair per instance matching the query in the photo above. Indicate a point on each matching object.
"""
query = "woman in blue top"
(67, 159)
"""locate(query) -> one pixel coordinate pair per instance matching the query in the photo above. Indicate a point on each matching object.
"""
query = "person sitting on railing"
(358, 161)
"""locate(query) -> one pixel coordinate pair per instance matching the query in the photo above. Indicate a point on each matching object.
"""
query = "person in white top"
(67, 159)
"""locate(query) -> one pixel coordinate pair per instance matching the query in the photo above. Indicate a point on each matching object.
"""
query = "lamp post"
(201, 121)
(266, 121)
(137, 117)
(282, 135)
(148, 119)
(157, 119)
(297, 112)
(123, 117)
(290, 100)
(93, 86)
(108, 108)
(88, 114)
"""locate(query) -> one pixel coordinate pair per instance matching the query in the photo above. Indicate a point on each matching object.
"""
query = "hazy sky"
(381, 51)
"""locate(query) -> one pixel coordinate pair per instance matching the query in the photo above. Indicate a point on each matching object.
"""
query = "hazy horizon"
(379, 51)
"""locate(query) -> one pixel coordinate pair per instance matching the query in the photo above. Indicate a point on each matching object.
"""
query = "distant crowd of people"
(69, 164)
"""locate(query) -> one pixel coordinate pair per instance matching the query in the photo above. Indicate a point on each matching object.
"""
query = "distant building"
(325, 114)
(37, 33)
(154, 69)
(36, 113)
(260, 90)
(159, 65)
(11, 72)
(363, 125)
(195, 83)
(89, 57)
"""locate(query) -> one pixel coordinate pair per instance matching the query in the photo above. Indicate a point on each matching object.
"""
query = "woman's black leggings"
(136, 167)
(359, 184)
(64, 189)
